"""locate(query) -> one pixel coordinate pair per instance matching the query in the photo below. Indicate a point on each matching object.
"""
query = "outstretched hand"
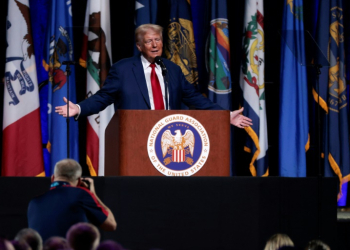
(239, 120)
(62, 110)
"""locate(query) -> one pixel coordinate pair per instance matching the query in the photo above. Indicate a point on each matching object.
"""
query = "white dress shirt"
(147, 70)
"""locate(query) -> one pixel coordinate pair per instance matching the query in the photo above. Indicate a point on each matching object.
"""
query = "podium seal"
(178, 145)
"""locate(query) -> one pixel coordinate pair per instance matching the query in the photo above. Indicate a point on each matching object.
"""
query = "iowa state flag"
(294, 118)
(252, 84)
(22, 147)
(96, 58)
(59, 49)
(332, 92)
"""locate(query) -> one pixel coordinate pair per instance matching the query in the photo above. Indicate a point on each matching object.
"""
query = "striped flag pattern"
(22, 147)
(178, 155)
(96, 58)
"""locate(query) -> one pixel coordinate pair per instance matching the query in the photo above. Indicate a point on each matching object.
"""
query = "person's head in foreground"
(31, 237)
(6, 245)
(20, 245)
(317, 245)
(83, 236)
(56, 243)
(278, 240)
(109, 245)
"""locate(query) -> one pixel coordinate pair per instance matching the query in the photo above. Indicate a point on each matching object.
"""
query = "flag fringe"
(307, 145)
(82, 62)
(266, 173)
(322, 103)
(91, 167)
(42, 174)
(48, 146)
(337, 171)
(246, 149)
(45, 65)
(255, 139)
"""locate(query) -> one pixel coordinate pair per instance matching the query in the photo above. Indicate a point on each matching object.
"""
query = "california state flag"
(22, 146)
(96, 58)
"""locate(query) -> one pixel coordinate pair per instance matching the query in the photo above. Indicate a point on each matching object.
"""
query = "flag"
(253, 86)
(59, 49)
(22, 147)
(180, 46)
(332, 94)
(219, 56)
(39, 16)
(96, 58)
(145, 12)
(294, 125)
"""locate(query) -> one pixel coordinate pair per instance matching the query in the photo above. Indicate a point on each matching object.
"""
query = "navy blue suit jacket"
(126, 87)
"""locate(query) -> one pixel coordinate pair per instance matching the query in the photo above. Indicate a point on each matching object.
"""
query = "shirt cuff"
(77, 116)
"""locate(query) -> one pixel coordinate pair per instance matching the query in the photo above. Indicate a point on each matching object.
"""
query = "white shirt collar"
(146, 63)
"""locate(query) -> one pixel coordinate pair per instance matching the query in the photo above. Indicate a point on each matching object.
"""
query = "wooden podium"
(127, 136)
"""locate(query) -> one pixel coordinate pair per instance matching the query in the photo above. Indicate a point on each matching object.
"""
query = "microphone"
(159, 61)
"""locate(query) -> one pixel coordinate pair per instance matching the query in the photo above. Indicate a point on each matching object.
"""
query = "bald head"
(68, 170)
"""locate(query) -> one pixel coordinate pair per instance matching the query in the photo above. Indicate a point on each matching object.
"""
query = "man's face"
(151, 45)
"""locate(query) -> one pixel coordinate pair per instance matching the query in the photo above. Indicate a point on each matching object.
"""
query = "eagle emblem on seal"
(178, 146)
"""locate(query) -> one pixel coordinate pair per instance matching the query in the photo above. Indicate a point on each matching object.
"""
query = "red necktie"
(156, 90)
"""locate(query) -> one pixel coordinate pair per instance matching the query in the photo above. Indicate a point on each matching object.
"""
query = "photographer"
(71, 199)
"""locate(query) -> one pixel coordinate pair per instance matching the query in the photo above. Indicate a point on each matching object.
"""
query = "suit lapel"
(170, 85)
(140, 79)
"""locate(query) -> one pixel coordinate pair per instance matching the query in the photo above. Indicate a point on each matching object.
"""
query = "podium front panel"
(128, 132)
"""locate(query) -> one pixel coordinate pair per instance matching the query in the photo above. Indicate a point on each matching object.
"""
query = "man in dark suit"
(138, 83)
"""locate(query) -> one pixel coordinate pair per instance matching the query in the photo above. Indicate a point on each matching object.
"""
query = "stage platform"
(197, 212)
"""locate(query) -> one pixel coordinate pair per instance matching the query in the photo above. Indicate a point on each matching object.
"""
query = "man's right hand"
(62, 110)
(91, 186)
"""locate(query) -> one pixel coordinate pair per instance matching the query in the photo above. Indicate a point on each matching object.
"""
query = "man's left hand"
(239, 120)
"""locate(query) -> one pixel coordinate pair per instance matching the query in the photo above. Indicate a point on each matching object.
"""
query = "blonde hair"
(278, 240)
(142, 30)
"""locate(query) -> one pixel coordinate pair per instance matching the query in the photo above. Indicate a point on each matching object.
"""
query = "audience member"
(31, 237)
(83, 236)
(109, 245)
(6, 245)
(317, 245)
(20, 245)
(277, 241)
(56, 243)
(67, 203)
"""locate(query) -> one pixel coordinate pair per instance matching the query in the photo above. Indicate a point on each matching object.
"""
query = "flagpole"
(68, 71)
(318, 72)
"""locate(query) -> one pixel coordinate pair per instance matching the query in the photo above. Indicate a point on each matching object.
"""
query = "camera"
(87, 184)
